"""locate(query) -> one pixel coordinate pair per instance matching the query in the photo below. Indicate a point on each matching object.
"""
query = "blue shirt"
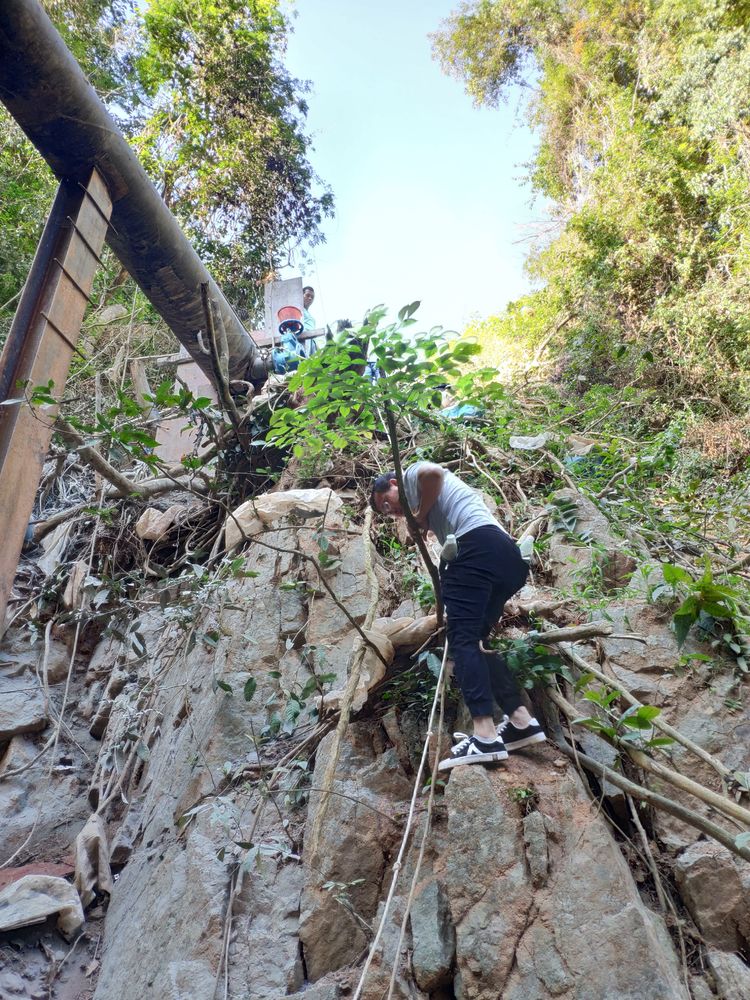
(308, 323)
(287, 356)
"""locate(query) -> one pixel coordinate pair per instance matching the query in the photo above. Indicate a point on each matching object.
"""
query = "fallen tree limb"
(682, 813)
(724, 805)
(572, 633)
(162, 484)
(563, 471)
(42, 528)
(532, 528)
(538, 607)
(572, 656)
(618, 475)
(121, 485)
(95, 459)
(743, 561)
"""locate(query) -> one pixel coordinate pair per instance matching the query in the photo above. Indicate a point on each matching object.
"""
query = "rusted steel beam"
(45, 90)
(39, 349)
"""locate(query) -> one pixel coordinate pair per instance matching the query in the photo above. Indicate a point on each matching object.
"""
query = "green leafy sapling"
(342, 406)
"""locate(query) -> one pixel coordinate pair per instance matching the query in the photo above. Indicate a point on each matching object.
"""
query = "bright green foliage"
(94, 32)
(643, 112)
(633, 726)
(27, 188)
(91, 29)
(532, 664)
(510, 342)
(717, 608)
(341, 406)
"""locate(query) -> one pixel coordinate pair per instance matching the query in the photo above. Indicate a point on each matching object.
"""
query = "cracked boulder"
(22, 708)
(346, 865)
(715, 891)
(545, 907)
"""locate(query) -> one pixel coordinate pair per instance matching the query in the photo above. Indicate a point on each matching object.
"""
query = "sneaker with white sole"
(471, 750)
(515, 738)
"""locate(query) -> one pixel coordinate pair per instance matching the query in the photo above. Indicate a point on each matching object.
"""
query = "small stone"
(21, 706)
(559, 762)
(73, 596)
(58, 662)
(154, 523)
(111, 314)
(713, 892)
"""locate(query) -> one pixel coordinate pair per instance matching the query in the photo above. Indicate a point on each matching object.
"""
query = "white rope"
(422, 846)
(407, 829)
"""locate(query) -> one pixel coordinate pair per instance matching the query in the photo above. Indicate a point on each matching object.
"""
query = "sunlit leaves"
(641, 112)
(342, 405)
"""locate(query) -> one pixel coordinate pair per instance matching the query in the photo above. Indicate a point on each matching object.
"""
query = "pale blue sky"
(430, 202)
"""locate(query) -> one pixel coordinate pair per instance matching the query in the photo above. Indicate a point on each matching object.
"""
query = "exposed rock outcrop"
(524, 892)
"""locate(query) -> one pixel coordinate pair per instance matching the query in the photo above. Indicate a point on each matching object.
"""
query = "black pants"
(488, 570)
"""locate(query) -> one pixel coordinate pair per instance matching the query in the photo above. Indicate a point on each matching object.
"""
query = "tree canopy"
(200, 89)
(643, 116)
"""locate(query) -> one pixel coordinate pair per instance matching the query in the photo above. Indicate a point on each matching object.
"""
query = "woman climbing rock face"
(486, 571)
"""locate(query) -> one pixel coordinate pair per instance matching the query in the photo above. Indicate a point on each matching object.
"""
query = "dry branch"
(572, 633)
(688, 816)
(95, 459)
(724, 772)
(726, 806)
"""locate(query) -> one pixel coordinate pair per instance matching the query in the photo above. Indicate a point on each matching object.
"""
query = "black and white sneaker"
(515, 738)
(471, 750)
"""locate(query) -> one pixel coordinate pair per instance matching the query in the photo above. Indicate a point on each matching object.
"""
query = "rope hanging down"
(439, 697)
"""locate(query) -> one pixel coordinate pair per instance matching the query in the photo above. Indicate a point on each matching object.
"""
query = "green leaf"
(690, 606)
(250, 688)
(682, 625)
(675, 574)
(224, 686)
(640, 717)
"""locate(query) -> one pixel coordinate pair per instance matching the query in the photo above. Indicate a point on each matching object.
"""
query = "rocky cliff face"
(207, 802)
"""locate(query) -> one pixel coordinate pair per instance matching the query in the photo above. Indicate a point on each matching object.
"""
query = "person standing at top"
(288, 354)
(308, 297)
(475, 584)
